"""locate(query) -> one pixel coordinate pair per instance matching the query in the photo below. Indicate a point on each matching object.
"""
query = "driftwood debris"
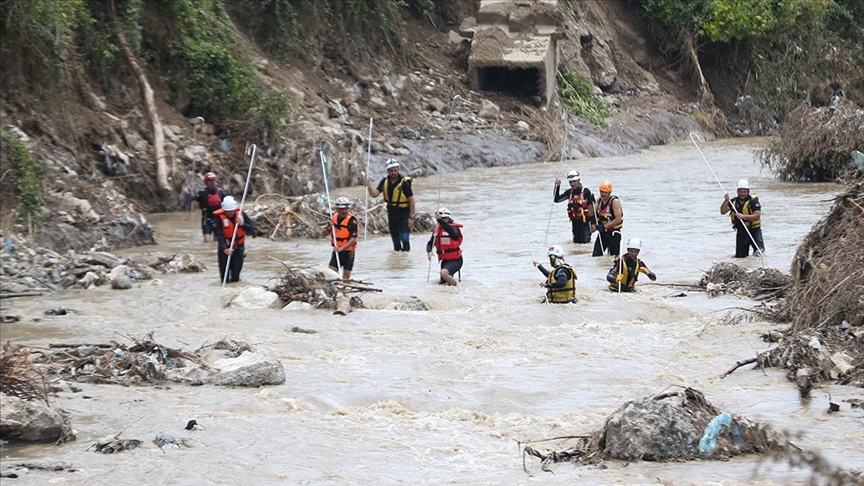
(320, 290)
(343, 304)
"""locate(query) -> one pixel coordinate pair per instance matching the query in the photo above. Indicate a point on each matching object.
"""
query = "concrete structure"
(514, 47)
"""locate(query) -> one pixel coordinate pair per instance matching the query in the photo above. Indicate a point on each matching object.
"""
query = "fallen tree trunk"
(149, 103)
(343, 305)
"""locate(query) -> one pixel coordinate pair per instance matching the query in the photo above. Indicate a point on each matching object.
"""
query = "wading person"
(580, 204)
(560, 281)
(224, 221)
(400, 204)
(209, 200)
(747, 215)
(343, 238)
(610, 220)
(624, 277)
(446, 239)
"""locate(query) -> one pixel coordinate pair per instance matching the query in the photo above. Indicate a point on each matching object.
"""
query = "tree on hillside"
(688, 23)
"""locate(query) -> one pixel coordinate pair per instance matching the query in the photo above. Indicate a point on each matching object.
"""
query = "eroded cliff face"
(94, 141)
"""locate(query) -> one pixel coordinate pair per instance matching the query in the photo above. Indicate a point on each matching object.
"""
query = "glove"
(620, 278)
(652, 276)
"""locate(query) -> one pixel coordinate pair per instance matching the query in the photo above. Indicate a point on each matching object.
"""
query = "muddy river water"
(441, 397)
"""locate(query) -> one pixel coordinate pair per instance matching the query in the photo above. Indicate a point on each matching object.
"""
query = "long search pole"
(620, 258)
(251, 151)
(533, 259)
(597, 222)
(440, 174)
(560, 161)
(329, 208)
(195, 124)
(366, 204)
(693, 138)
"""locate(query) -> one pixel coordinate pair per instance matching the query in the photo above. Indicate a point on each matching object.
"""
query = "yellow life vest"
(630, 277)
(398, 200)
(566, 293)
(744, 208)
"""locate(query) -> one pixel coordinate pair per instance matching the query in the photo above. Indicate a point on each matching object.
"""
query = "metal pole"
(693, 138)
(251, 151)
(597, 222)
(534, 258)
(366, 204)
(329, 208)
(560, 161)
(620, 258)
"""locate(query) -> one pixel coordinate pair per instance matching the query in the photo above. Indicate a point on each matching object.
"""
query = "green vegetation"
(577, 96)
(26, 172)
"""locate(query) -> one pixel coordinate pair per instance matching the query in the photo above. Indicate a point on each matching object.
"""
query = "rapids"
(401, 397)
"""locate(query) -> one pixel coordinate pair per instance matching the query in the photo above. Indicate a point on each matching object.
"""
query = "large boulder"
(31, 421)
(651, 430)
(256, 298)
(248, 369)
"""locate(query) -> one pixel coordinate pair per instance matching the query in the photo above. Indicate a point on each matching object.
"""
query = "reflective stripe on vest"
(565, 294)
(228, 227)
(607, 212)
(446, 247)
(341, 231)
(399, 200)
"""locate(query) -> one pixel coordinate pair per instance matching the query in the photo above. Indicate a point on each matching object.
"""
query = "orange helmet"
(606, 186)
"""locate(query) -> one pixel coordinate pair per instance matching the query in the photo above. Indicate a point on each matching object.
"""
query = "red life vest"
(341, 232)
(577, 206)
(447, 247)
(607, 212)
(228, 227)
(214, 199)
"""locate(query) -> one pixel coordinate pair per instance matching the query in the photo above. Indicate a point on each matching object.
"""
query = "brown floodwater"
(386, 396)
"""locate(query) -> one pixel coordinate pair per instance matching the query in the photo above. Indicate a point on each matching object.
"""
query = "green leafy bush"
(26, 172)
(577, 96)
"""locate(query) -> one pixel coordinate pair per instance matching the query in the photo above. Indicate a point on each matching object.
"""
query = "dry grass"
(19, 377)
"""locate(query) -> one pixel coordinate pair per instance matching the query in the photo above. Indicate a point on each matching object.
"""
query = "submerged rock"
(248, 369)
(31, 421)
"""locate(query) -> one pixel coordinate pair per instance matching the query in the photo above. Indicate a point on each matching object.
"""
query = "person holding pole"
(622, 278)
(447, 241)
(560, 281)
(746, 215)
(580, 204)
(400, 204)
(610, 220)
(224, 221)
(343, 230)
(209, 200)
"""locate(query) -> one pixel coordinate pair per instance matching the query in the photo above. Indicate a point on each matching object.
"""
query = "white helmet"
(444, 212)
(343, 202)
(573, 175)
(555, 251)
(744, 184)
(391, 163)
(634, 243)
(229, 204)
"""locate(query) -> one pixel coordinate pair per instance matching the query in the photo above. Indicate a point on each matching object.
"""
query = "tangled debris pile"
(28, 271)
(759, 283)
(683, 425)
(148, 362)
(319, 288)
(825, 304)
(283, 218)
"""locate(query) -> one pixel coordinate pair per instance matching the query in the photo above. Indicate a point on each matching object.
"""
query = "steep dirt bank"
(100, 150)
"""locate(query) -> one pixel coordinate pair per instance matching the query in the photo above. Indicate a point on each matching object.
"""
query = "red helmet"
(210, 176)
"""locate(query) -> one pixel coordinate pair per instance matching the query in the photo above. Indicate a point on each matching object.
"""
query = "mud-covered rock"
(248, 369)
(31, 420)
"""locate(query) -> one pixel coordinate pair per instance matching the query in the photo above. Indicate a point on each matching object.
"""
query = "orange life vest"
(447, 247)
(340, 232)
(228, 227)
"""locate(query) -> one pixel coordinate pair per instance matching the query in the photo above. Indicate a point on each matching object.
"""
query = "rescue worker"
(560, 281)
(625, 277)
(400, 204)
(343, 238)
(447, 239)
(580, 206)
(746, 216)
(224, 221)
(610, 220)
(208, 200)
